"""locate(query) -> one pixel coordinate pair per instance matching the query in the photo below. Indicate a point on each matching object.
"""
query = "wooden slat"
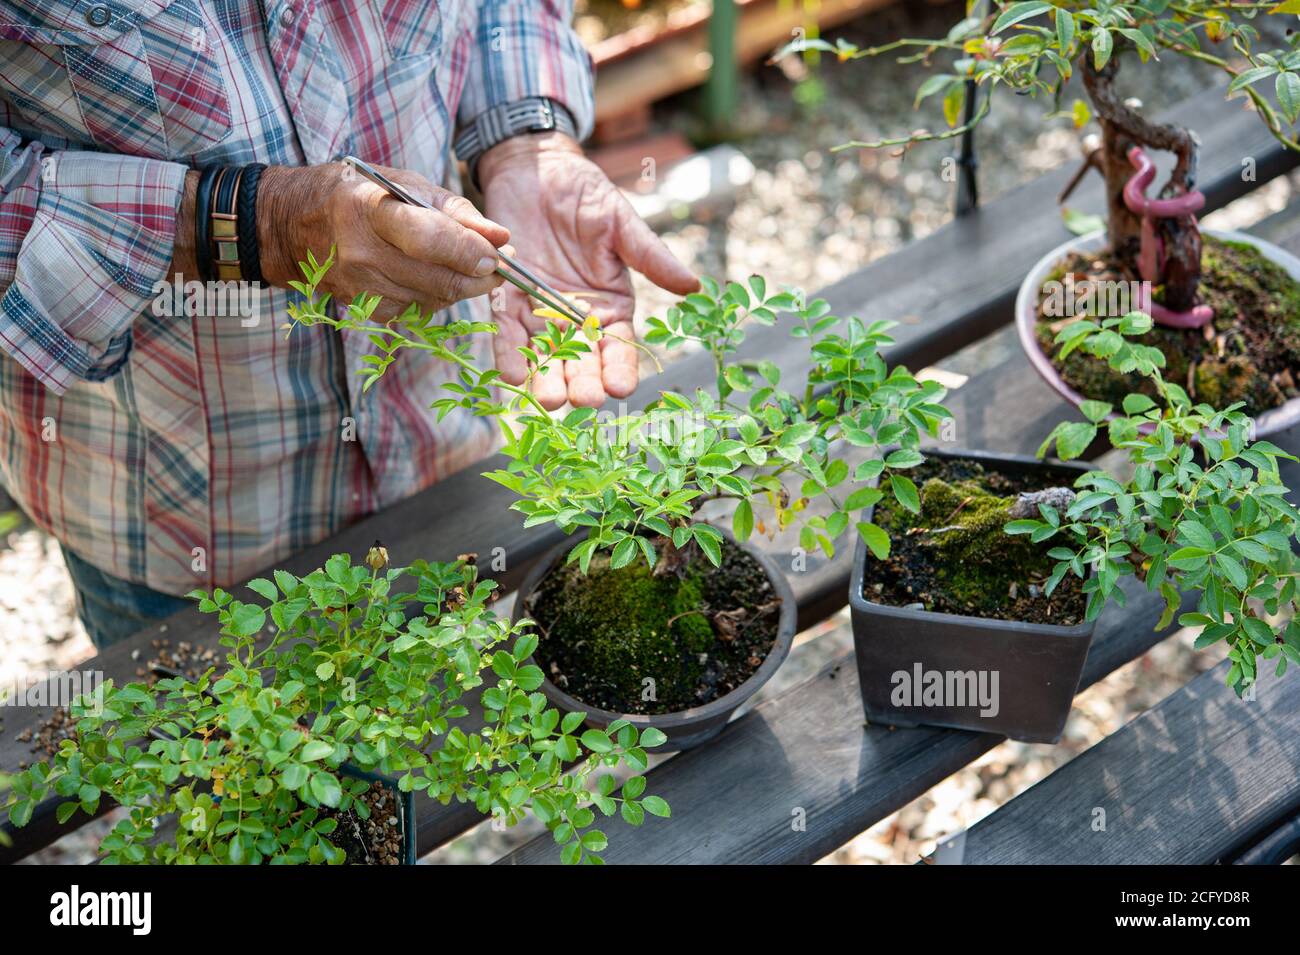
(948, 290)
(1187, 782)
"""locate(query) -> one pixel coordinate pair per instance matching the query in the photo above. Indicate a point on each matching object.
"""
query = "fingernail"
(486, 265)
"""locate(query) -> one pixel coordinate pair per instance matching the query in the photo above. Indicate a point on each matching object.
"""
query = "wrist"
(293, 216)
(524, 150)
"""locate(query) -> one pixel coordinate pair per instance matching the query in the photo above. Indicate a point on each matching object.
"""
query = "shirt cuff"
(98, 242)
(529, 49)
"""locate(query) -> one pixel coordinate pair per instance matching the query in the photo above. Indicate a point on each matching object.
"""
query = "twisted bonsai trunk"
(1122, 129)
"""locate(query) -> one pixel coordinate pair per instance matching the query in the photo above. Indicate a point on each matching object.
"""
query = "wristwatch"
(533, 114)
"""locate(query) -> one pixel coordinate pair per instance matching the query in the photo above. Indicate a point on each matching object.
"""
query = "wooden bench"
(805, 749)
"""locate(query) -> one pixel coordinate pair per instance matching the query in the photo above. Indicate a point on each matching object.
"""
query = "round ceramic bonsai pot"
(684, 728)
(1008, 677)
(1270, 422)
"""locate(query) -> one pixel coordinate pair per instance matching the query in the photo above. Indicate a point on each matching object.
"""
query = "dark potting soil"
(371, 832)
(1250, 352)
(604, 634)
(954, 557)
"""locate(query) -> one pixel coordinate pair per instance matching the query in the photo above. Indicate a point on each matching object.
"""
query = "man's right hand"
(382, 245)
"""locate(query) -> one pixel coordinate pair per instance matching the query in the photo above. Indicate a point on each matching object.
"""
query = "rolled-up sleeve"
(85, 238)
(526, 49)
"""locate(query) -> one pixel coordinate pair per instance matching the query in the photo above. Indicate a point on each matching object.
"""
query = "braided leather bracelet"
(250, 260)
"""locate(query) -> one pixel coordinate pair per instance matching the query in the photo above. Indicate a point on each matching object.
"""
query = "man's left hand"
(573, 228)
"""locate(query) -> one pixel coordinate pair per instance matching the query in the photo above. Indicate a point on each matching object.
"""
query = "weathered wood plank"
(1186, 782)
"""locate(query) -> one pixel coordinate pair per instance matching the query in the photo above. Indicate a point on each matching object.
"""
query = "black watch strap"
(533, 114)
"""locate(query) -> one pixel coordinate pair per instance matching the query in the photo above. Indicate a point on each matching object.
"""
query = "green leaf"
(862, 497)
(325, 670)
(1016, 13)
(742, 522)
(263, 588)
(1095, 411)
(1081, 223)
(597, 742)
(1064, 30)
(656, 807)
(1287, 86)
(326, 789)
(875, 538)
(1137, 404)
(1073, 439)
(314, 750)
(650, 737)
(1196, 534)
(906, 492)
(1102, 45)
(904, 458)
(710, 542)
(246, 620)
(623, 553)
(293, 776)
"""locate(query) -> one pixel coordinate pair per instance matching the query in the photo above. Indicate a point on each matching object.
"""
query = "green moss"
(633, 625)
(1257, 335)
(973, 562)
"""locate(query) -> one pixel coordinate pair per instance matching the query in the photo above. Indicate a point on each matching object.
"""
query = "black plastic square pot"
(1036, 666)
(405, 800)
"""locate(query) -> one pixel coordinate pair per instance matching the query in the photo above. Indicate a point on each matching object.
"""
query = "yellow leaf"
(545, 311)
(954, 101)
(1081, 114)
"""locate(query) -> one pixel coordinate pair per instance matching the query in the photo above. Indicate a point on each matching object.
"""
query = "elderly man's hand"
(575, 230)
(382, 246)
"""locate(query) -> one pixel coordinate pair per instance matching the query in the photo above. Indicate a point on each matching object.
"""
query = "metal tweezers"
(525, 280)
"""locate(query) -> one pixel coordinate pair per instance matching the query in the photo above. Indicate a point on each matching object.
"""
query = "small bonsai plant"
(253, 763)
(1250, 305)
(635, 487)
(1203, 513)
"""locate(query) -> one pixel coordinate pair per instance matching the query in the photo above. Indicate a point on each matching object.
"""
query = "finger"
(618, 360)
(431, 237)
(506, 342)
(640, 249)
(463, 211)
(436, 285)
(586, 389)
(549, 387)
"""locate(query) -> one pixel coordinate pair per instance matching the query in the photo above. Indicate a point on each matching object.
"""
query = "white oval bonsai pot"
(1270, 422)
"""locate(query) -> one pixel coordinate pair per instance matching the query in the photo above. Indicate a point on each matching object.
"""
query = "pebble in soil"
(370, 832)
(1250, 352)
(697, 636)
(955, 558)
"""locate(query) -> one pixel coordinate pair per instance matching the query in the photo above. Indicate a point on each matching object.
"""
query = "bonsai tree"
(248, 762)
(654, 611)
(1204, 512)
(634, 485)
(1219, 529)
(1034, 48)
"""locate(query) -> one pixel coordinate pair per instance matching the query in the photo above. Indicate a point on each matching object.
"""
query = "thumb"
(643, 251)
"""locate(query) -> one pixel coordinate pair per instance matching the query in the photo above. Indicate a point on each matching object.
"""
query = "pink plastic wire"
(1151, 256)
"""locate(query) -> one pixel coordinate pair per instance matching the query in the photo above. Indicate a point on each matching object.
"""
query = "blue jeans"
(113, 609)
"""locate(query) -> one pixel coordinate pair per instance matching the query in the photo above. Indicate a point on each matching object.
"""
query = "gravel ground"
(809, 218)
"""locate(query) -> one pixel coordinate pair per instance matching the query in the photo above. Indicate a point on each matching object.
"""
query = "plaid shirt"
(190, 450)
